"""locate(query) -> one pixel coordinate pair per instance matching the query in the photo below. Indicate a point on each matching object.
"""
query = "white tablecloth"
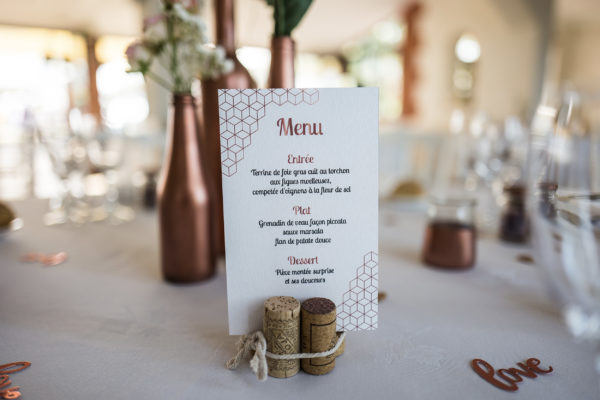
(104, 324)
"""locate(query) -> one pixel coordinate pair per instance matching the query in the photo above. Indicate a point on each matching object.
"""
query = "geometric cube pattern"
(239, 113)
(358, 309)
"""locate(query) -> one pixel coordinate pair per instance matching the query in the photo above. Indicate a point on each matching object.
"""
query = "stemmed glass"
(105, 150)
(565, 212)
(67, 153)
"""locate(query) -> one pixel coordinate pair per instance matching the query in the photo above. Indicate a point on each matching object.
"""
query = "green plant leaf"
(279, 15)
(294, 11)
(287, 14)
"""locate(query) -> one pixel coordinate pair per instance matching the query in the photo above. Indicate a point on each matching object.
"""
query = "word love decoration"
(511, 376)
(6, 369)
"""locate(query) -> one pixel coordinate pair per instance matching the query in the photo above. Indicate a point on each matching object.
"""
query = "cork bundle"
(286, 334)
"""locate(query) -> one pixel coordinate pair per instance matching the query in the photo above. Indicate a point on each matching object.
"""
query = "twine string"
(258, 363)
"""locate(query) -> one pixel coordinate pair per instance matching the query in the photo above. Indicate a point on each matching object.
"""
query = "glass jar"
(514, 224)
(451, 236)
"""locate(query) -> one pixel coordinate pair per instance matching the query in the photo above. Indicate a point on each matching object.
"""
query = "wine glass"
(105, 150)
(68, 157)
(565, 213)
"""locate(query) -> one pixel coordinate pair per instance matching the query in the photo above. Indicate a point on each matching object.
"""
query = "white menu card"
(300, 196)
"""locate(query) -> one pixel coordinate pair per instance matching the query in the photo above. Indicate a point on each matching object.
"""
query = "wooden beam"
(411, 44)
(93, 64)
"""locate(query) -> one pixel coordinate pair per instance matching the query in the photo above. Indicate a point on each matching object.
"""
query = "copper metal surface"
(450, 245)
(183, 199)
(239, 78)
(14, 391)
(281, 74)
(50, 259)
(54, 258)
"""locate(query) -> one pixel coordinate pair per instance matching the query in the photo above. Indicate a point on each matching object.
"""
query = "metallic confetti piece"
(53, 259)
(49, 259)
(5, 370)
(31, 257)
(11, 393)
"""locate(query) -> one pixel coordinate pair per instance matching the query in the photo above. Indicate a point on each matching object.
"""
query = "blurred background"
(464, 86)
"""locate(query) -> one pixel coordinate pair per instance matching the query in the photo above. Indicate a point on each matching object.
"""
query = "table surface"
(104, 324)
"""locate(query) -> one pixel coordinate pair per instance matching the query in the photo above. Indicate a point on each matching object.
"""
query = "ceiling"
(121, 17)
(327, 26)
(253, 18)
(584, 13)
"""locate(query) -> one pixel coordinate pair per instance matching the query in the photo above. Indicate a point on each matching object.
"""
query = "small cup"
(451, 236)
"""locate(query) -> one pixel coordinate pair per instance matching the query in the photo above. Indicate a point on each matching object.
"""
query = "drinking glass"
(451, 237)
(68, 157)
(565, 213)
(106, 149)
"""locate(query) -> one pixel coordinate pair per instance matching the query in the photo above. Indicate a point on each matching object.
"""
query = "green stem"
(173, 64)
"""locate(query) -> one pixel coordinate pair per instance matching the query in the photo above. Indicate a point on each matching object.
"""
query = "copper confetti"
(31, 257)
(5, 370)
(49, 260)
(11, 393)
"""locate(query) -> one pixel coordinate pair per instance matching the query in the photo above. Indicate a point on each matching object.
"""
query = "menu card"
(300, 197)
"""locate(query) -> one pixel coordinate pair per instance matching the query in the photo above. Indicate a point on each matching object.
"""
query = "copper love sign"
(6, 369)
(511, 376)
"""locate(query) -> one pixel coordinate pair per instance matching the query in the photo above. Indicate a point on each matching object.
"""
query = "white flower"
(228, 66)
(189, 26)
(177, 30)
(188, 64)
(139, 57)
(214, 62)
(155, 29)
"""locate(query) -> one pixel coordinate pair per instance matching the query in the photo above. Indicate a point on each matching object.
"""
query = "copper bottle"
(281, 74)
(183, 199)
(239, 78)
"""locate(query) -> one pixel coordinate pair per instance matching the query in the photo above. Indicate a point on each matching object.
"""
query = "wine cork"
(281, 325)
(318, 334)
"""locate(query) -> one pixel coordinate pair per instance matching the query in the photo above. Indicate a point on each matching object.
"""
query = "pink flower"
(138, 57)
(190, 5)
(155, 29)
(153, 20)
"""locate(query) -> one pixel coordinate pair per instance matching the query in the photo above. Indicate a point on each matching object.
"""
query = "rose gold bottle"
(183, 199)
(281, 74)
(239, 78)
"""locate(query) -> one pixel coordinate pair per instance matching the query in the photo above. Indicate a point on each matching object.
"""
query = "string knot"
(258, 363)
(253, 341)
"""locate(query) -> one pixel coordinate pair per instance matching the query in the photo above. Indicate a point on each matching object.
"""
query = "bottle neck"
(282, 62)
(179, 99)
(225, 25)
(184, 121)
